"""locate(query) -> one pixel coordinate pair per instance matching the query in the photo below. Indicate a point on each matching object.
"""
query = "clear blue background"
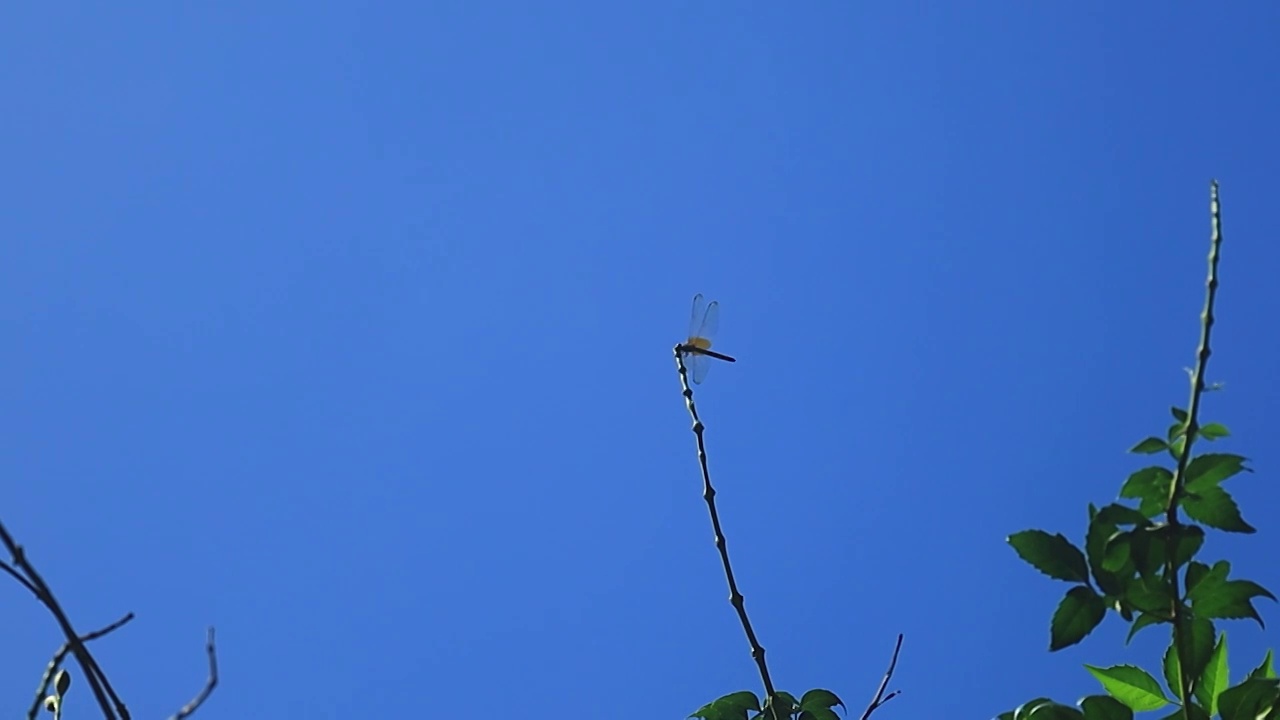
(347, 328)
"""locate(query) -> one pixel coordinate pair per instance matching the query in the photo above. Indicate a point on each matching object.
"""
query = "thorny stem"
(1180, 620)
(709, 494)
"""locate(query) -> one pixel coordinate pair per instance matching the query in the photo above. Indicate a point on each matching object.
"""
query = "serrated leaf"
(787, 698)
(1077, 615)
(1147, 547)
(1052, 555)
(1149, 446)
(1266, 669)
(1169, 664)
(1210, 469)
(1055, 711)
(819, 698)
(1213, 431)
(1199, 642)
(1150, 480)
(1248, 698)
(1131, 686)
(1214, 507)
(1212, 595)
(1117, 514)
(1024, 710)
(1095, 546)
(1232, 600)
(1149, 596)
(1215, 677)
(1144, 620)
(1118, 552)
(1190, 539)
(733, 706)
(1198, 572)
(1104, 707)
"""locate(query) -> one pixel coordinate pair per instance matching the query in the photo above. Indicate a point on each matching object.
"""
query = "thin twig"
(18, 576)
(209, 685)
(880, 698)
(97, 680)
(1189, 435)
(61, 655)
(709, 494)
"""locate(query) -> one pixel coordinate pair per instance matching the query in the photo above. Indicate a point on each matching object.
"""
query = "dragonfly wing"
(699, 312)
(710, 325)
(698, 365)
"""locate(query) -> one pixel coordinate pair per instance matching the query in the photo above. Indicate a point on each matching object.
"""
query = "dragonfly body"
(695, 349)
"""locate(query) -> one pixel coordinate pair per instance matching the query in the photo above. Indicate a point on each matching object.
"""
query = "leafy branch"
(1140, 563)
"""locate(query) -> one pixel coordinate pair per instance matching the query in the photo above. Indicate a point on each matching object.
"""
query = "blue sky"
(346, 328)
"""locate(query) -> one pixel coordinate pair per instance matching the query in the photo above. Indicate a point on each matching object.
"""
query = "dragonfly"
(703, 324)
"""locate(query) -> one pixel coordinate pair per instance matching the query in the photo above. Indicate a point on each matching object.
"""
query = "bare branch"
(18, 576)
(97, 680)
(61, 655)
(881, 698)
(209, 685)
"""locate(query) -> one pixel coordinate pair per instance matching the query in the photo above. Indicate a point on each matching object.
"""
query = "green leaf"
(1215, 677)
(1248, 698)
(1055, 711)
(1052, 555)
(1175, 430)
(1105, 707)
(1147, 547)
(1149, 446)
(819, 698)
(1117, 514)
(1215, 508)
(1119, 553)
(1197, 713)
(1131, 686)
(1213, 431)
(1213, 596)
(1169, 664)
(1006, 715)
(1149, 482)
(1149, 596)
(1198, 572)
(1233, 600)
(1178, 414)
(730, 707)
(1025, 709)
(1266, 669)
(1077, 615)
(1210, 469)
(1095, 545)
(1144, 620)
(785, 704)
(1189, 538)
(1175, 447)
(1199, 642)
